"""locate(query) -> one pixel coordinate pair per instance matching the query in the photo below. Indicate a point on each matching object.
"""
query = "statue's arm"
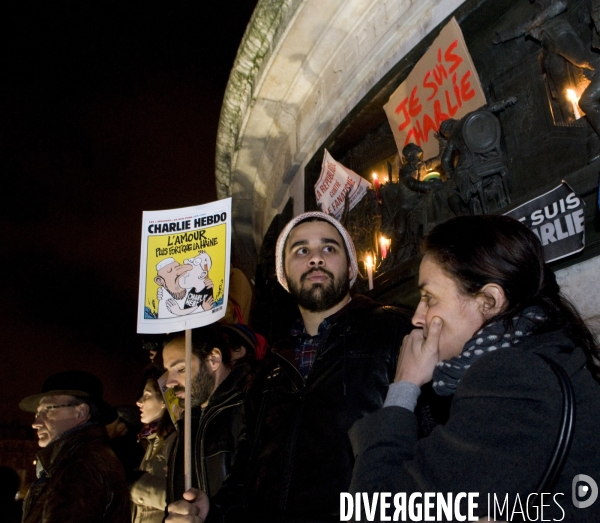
(447, 159)
(553, 10)
(502, 104)
(433, 163)
(536, 21)
(595, 14)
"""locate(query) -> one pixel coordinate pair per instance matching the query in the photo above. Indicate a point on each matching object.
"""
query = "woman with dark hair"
(493, 331)
(148, 492)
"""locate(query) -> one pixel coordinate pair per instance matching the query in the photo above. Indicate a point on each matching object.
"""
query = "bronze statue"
(595, 16)
(474, 162)
(409, 209)
(566, 59)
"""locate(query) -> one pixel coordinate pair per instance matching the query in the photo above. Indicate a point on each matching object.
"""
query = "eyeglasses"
(45, 410)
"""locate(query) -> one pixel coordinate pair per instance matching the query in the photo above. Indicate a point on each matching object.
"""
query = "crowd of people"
(492, 389)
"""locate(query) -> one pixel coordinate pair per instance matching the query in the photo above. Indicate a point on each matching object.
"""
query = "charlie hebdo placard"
(170, 398)
(184, 267)
(335, 184)
(443, 84)
(557, 218)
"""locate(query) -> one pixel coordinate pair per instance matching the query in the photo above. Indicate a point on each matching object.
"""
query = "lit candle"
(384, 244)
(369, 264)
(572, 96)
(376, 184)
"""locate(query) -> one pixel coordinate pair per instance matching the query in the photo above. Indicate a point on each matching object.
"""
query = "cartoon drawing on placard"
(192, 278)
(184, 267)
(185, 273)
(168, 274)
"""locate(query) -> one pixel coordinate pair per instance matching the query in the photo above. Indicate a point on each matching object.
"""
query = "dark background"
(106, 109)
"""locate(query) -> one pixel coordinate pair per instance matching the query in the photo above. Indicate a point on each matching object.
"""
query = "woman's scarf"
(148, 430)
(494, 336)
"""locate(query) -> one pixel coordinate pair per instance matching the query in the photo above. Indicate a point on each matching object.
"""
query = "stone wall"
(581, 284)
(303, 66)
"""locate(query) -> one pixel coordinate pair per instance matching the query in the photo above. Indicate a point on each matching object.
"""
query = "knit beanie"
(326, 218)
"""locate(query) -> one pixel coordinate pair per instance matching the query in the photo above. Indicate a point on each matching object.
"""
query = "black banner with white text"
(557, 218)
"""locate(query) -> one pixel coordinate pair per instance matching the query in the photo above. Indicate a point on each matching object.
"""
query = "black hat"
(72, 383)
(255, 344)
(244, 334)
(130, 416)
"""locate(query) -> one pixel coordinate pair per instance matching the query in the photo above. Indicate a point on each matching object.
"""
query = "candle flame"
(384, 246)
(572, 96)
(374, 176)
(369, 261)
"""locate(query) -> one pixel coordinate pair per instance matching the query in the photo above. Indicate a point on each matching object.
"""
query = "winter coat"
(148, 493)
(216, 429)
(297, 454)
(502, 429)
(79, 479)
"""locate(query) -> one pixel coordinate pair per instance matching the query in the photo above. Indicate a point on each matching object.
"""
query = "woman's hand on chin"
(419, 356)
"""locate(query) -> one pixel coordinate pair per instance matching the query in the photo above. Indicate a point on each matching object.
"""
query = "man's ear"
(492, 300)
(215, 359)
(160, 281)
(83, 412)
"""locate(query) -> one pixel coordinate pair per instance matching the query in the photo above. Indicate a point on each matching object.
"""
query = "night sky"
(107, 108)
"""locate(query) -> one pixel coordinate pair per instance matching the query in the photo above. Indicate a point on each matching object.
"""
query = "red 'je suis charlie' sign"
(443, 84)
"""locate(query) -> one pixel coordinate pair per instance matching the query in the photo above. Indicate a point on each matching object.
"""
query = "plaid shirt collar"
(298, 329)
(305, 348)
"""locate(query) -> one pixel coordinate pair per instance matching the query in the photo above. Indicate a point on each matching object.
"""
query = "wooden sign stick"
(187, 425)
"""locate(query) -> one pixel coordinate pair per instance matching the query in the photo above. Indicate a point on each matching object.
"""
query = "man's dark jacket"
(215, 433)
(299, 456)
(79, 479)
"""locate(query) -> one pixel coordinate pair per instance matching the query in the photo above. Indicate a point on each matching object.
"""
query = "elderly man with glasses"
(78, 477)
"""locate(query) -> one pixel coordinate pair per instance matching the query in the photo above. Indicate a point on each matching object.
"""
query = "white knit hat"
(326, 218)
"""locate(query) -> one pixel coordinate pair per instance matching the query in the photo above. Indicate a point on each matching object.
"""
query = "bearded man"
(334, 368)
(216, 408)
